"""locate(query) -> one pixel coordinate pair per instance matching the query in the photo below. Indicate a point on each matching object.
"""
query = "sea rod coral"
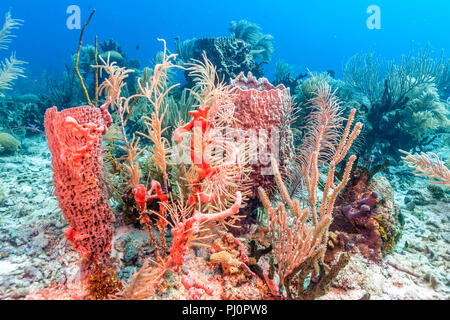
(300, 244)
(424, 166)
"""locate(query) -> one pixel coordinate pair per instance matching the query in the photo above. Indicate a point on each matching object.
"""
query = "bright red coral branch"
(203, 166)
(184, 231)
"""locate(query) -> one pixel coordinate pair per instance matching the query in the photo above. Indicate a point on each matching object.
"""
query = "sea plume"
(323, 124)
(6, 31)
(300, 247)
(11, 69)
(424, 166)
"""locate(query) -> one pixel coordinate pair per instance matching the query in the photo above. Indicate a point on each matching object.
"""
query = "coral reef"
(245, 51)
(299, 248)
(351, 98)
(406, 109)
(231, 56)
(424, 166)
(226, 186)
(35, 254)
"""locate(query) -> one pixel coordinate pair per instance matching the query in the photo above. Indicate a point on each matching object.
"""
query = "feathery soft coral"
(424, 166)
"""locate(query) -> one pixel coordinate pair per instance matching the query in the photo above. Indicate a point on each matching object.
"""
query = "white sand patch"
(7, 267)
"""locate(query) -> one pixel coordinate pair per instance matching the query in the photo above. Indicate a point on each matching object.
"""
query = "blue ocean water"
(318, 35)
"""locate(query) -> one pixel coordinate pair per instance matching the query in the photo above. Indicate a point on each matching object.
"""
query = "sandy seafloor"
(34, 252)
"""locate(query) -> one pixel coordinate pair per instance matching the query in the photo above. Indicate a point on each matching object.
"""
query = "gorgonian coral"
(300, 246)
(405, 103)
(11, 69)
(251, 33)
(424, 166)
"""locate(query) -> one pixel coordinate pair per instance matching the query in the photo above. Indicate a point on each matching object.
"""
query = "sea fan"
(263, 49)
(261, 44)
(247, 31)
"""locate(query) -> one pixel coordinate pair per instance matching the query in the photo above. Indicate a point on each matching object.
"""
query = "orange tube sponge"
(74, 139)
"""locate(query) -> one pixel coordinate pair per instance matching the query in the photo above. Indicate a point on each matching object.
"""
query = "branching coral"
(411, 72)
(215, 178)
(155, 91)
(217, 161)
(143, 283)
(185, 228)
(6, 31)
(423, 112)
(317, 286)
(293, 242)
(11, 69)
(178, 111)
(363, 72)
(405, 104)
(324, 122)
(325, 144)
(424, 166)
(212, 176)
(112, 86)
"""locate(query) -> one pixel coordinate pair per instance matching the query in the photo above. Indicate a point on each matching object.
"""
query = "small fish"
(138, 47)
